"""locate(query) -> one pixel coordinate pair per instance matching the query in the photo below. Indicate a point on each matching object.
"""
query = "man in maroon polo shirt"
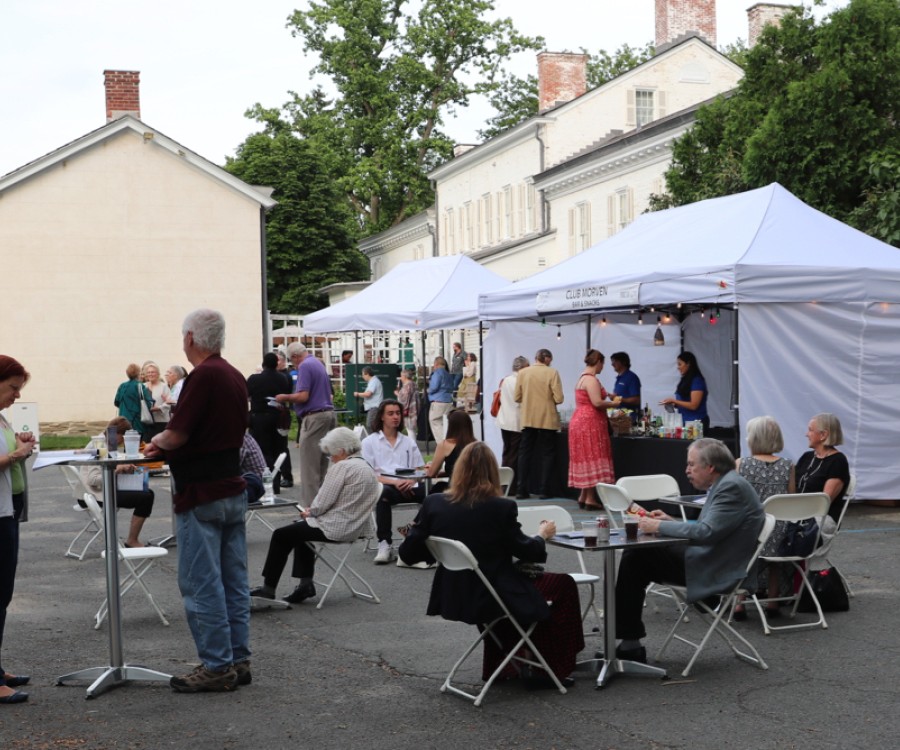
(202, 445)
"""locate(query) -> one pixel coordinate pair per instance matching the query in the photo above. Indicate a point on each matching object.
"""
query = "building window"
(451, 232)
(508, 209)
(619, 210)
(487, 217)
(643, 107)
(470, 228)
(579, 228)
(531, 210)
(625, 200)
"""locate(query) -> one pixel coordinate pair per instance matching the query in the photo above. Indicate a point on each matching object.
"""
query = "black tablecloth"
(633, 456)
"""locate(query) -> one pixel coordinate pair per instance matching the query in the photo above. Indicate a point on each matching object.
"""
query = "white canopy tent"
(816, 327)
(419, 295)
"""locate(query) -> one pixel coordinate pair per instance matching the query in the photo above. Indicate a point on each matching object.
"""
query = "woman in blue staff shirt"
(691, 392)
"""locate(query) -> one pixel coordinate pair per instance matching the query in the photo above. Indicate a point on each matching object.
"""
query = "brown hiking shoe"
(204, 680)
(244, 677)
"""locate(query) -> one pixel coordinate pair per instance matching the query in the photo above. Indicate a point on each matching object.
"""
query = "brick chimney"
(123, 93)
(674, 18)
(562, 77)
(763, 14)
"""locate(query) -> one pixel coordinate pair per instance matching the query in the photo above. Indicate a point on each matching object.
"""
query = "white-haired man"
(314, 407)
(202, 445)
(722, 540)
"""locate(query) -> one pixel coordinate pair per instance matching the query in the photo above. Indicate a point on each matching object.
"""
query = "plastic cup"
(631, 527)
(132, 444)
(590, 533)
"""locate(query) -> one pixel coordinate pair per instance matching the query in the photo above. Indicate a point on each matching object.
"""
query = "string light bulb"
(702, 313)
(558, 332)
(668, 318)
(603, 321)
(640, 319)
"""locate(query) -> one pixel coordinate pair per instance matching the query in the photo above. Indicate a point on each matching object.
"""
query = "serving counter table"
(116, 672)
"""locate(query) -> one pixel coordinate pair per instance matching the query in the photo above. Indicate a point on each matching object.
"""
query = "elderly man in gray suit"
(722, 540)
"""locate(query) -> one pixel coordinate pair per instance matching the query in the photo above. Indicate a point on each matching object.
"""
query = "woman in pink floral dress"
(590, 451)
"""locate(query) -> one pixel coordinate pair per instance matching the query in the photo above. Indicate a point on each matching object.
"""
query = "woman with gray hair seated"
(340, 510)
(508, 419)
(769, 475)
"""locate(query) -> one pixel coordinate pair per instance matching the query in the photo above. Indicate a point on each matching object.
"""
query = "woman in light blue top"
(440, 394)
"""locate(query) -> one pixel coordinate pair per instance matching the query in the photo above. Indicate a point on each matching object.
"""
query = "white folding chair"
(506, 478)
(718, 619)
(530, 519)
(455, 556)
(819, 558)
(333, 555)
(136, 560)
(650, 487)
(70, 473)
(616, 501)
(791, 508)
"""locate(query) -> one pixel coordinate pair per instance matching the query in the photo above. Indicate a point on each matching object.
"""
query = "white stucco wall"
(687, 74)
(103, 256)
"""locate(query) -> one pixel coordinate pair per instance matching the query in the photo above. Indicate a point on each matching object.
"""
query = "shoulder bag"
(831, 591)
(495, 402)
(146, 414)
(799, 538)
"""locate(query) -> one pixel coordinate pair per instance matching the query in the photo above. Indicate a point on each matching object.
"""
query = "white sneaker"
(385, 553)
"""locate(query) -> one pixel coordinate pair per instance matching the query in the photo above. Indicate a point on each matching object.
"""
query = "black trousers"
(287, 539)
(141, 501)
(9, 556)
(510, 458)
(391, 496)
(637, 569)
(538, 447)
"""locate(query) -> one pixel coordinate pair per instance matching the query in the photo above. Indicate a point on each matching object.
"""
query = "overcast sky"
(204, 62)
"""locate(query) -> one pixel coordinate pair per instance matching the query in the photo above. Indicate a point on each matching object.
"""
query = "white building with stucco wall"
(106, 244)
(585, 166)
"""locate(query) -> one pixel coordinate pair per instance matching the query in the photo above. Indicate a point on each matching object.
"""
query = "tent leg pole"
(735, 380)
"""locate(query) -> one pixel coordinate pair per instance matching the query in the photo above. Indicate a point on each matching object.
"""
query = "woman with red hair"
(14, 449)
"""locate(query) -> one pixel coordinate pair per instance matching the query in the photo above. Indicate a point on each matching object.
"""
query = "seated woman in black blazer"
(473, 513)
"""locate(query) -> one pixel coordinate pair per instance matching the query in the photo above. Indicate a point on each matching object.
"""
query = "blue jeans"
(212, 577)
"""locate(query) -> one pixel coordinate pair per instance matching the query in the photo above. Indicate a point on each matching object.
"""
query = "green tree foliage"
(397, 68)
(816, 111)
(311, 234)
(516, 99)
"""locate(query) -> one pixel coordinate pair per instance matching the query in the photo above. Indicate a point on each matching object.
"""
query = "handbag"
(495, 401)
(799, 539)
(831, 591)
(146, 414)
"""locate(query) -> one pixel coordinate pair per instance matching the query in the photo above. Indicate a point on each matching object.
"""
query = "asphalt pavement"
(362, 675)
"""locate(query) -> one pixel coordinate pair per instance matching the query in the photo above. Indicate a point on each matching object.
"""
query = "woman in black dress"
(473, 512)
(824, 468)
(265, 420)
